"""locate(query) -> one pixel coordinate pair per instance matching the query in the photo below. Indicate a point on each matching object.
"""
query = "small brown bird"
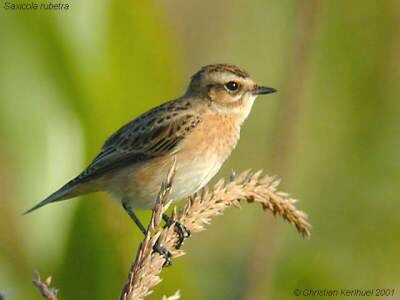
(200, 129)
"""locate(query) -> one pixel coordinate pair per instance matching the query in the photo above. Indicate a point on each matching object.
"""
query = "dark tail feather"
(64, 193)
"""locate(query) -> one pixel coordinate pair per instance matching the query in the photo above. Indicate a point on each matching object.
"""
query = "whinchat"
(199, 130)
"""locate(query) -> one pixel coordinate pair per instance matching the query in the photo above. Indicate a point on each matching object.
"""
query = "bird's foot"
(157, 248)
(181, 230)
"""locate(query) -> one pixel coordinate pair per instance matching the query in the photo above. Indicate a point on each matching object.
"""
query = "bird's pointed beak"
(260, 90)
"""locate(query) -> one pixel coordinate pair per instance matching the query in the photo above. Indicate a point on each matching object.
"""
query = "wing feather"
(156, 133)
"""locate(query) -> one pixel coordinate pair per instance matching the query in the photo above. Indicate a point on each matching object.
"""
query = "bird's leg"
(135, 218)
(180, 229)
(156, 248)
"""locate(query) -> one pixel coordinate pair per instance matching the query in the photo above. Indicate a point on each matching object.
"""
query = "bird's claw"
(157, 248)
(183, 234)
(181, 230)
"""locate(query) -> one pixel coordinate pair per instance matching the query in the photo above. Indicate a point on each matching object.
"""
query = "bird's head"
(228, 88)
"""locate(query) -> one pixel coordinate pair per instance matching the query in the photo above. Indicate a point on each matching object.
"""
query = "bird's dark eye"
(232, 86)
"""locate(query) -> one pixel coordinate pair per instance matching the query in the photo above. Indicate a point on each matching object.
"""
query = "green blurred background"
(69, 79)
